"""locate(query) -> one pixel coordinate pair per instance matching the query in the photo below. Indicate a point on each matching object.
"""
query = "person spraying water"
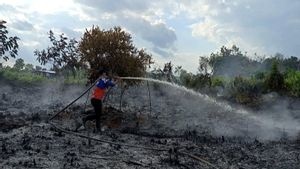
(98, 95)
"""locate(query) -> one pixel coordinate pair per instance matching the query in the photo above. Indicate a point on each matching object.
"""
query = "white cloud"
(207, 29)
(261, 25)
(29, 43)
(137, 17)
(42, 7)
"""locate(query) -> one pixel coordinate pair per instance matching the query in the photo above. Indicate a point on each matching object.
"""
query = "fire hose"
(87, 90)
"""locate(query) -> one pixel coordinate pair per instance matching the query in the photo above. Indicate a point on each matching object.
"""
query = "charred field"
(179, 131)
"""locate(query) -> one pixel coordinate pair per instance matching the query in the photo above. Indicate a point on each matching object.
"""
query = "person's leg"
(98, 110)
(91, 116)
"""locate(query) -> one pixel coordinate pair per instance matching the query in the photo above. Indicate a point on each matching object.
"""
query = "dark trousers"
(97, 104)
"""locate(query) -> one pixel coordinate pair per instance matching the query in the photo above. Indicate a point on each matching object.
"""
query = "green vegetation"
(233, 76)
(244, 81)
(26, 74)
(218, 81)
(245, 90)
(275, 79)
(33, 78)
(292, 82)
(25, 77)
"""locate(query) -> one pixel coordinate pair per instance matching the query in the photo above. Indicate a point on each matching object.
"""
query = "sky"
(178, 31)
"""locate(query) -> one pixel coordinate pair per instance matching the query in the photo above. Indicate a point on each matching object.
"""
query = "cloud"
(213, 31)
(162, 52)
(269, 25)
(72, 33)
(22, 25)
(32, 28)
(158, 34)
(5, 8)
(134, 17)
(116, 6)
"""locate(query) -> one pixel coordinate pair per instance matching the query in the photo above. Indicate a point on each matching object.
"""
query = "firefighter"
(97, 97)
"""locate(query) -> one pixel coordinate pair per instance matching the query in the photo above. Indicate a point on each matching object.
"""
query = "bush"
(275, 80)
(260, 75)
(218, 81)
(292, 82)
(186, 79)
(246, 90)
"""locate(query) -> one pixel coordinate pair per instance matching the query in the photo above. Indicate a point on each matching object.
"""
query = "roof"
(47, 71)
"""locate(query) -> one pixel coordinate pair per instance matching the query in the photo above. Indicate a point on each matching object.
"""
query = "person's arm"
(110, 83)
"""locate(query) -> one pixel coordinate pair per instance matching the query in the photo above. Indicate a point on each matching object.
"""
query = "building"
(46, 73)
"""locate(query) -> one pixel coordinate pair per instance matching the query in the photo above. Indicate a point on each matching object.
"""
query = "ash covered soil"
(179, 131)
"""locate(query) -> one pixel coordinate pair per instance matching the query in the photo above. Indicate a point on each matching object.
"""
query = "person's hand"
(117, 79)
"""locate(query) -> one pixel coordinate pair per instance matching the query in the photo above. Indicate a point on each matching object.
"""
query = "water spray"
(226, 106)
(204, 96)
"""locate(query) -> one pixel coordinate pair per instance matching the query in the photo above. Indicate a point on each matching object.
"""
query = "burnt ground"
(27, 140)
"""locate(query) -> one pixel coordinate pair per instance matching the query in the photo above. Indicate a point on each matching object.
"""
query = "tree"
(112, 49)
(204, 66)
(178, 70)
(38, 68)
(28, 67)
(7, 44)
(19, 64)
(186, 78)
(168, 72)
(275, 80)
(291, 63)
(231, 62)
(63, 54)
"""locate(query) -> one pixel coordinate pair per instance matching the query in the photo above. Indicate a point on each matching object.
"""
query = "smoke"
(179, 108)
(32, 98)
(58, 92)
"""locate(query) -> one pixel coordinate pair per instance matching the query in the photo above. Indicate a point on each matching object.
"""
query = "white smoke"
(180, 108)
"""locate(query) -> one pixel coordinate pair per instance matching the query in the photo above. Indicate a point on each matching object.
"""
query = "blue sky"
(177, 31)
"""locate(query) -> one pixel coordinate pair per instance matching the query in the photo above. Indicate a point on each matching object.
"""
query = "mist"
(44, 96)
(182, 109)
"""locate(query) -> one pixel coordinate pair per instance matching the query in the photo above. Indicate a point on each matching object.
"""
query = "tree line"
(237, 77)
